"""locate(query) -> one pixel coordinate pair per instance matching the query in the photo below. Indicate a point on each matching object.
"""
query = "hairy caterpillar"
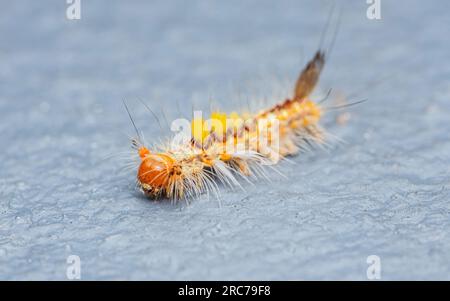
(231, 146)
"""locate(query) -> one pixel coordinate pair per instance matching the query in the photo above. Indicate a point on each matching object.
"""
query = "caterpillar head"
(154, 171)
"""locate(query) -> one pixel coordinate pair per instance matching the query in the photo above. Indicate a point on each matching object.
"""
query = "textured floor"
(386, 192)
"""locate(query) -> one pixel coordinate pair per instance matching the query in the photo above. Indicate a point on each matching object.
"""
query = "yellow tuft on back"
(197, 129)
(219, 123)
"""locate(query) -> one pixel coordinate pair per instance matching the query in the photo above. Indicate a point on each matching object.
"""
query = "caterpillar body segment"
(230, 149)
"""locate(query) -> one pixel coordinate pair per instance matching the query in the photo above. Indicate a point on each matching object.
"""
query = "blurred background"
(385, 192)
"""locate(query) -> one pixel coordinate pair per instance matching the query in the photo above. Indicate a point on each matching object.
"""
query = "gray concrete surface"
(386, 192)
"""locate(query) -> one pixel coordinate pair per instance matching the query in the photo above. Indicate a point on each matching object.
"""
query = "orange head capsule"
(155, 170)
